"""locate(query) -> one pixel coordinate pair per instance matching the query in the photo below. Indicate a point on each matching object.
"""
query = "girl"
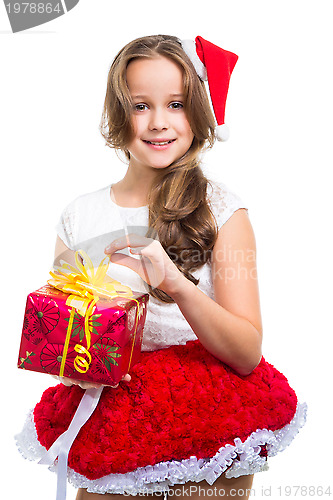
(201, 410)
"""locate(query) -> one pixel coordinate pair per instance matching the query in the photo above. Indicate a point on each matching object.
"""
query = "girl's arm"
(230, 327)
(62, 252)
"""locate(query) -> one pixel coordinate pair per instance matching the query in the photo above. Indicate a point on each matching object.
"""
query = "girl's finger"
(131, 240)
(89, 385)
(124, 260)
(68, 382)
(139, 266)
(137, 250)
(154, 251)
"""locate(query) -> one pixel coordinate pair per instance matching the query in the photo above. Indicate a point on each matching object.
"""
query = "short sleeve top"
(93, 220)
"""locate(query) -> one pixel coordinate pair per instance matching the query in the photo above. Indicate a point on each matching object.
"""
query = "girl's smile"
(162, 133)
(160, 144)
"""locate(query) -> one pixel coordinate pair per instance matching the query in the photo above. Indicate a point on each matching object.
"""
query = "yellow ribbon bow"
(85, 286)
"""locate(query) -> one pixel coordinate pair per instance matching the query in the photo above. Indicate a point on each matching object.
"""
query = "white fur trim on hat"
(190, 49)
(222, 132)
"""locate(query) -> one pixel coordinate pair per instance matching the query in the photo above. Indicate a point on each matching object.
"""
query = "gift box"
(83, 325)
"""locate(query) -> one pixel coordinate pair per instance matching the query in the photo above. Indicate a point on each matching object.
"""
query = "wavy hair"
(179, 212)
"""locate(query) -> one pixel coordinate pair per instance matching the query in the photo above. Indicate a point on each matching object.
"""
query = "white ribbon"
(62, 445)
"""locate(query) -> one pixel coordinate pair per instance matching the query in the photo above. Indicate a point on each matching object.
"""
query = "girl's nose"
(158, 120)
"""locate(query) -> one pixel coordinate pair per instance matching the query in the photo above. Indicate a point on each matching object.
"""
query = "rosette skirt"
(185, 416)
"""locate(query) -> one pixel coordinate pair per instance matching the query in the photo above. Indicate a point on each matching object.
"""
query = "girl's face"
(162, 133)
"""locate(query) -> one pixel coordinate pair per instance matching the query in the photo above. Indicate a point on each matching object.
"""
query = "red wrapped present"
(83, 325)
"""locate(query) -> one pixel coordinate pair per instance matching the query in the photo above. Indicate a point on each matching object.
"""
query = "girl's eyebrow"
(138, 96)
(142, 96)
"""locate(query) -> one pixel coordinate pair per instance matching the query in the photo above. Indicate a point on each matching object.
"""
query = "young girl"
(202, 410)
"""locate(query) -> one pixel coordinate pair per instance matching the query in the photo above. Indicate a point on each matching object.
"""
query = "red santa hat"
(214, 64)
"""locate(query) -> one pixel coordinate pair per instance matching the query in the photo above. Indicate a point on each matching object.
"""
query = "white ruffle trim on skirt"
(157, 478)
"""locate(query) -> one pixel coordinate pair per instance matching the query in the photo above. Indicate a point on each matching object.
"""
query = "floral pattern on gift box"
(51, 358)
(40, 319)
(106, 350)
(115, 326)
(24, 361)
(103, 377)
(100, 373)
(79, 322)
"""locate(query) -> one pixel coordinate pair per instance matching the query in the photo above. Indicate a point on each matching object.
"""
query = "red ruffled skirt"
(184, 416)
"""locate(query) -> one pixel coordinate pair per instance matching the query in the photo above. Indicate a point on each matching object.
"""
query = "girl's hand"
(87, 385)
(155, 266)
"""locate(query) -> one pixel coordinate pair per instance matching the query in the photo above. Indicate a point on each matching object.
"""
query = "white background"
(278, 159)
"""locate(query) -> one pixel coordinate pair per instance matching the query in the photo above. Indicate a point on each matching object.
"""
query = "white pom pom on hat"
(214, 64)
(222, 132)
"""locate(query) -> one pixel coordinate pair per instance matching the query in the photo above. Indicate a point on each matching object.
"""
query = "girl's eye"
(140, 107)
(176, 105)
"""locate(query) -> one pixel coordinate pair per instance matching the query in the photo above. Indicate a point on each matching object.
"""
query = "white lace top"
(93, 220)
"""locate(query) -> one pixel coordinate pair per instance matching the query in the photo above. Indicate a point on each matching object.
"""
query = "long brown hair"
(179, 212)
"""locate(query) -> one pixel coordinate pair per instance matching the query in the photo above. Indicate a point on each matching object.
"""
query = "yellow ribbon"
(85, 286)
